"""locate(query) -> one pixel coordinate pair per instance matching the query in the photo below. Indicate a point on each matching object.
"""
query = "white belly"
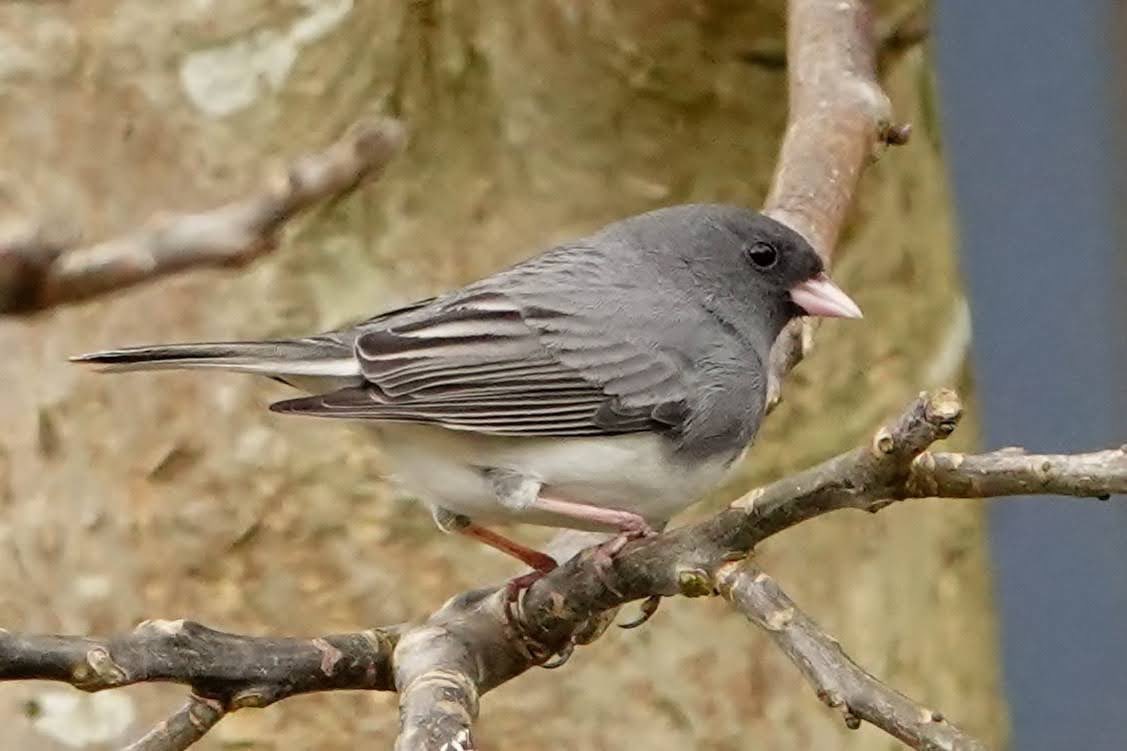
(635, 472)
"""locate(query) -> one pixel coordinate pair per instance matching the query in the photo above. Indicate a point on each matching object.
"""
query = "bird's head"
(749, 270)
(784, 264)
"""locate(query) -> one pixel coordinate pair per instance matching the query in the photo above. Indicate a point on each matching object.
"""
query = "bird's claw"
(559, 659)
(510, 601)
(648, 608)
(511, 598)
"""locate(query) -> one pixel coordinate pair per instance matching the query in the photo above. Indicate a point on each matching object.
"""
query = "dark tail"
(297, 357)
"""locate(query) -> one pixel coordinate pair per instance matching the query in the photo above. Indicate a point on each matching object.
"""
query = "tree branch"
(839, 120)
(472, 634)
(437, 680)
(225, 671)
(469, 646)
(839, 682)
(38, 272)
(1014, 472)
(895, 38)
(217, 665)
(184, 727)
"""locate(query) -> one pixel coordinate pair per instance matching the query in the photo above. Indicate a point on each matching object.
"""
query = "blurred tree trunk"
(172, 495)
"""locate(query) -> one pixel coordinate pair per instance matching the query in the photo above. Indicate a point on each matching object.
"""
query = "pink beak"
(821, 297)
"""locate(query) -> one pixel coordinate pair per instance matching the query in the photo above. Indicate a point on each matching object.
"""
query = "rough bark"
(177, 495)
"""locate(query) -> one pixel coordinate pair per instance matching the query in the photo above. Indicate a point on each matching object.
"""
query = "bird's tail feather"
(317, 356)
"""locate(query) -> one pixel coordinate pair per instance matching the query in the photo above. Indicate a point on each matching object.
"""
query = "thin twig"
(184, 727)
(839, 682)
(37, 273)
(1014, 472)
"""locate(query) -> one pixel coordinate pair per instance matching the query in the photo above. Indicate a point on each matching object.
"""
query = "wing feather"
(482, 361)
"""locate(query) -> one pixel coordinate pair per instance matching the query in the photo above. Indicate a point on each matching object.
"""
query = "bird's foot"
(632, 527)
(511, 600)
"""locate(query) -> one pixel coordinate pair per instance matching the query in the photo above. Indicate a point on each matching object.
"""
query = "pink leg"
(631, 525)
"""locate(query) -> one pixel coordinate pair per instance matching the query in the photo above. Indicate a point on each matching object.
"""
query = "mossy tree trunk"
(170, 495)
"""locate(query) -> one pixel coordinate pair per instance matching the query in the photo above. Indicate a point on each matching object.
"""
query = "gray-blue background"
(1030, 98)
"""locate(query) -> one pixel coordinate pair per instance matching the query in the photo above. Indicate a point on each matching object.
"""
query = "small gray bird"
(605, 384)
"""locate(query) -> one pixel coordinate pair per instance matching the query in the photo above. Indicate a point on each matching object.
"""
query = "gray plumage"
(660, 324)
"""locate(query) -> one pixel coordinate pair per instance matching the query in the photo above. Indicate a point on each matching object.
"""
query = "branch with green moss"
(38, 271)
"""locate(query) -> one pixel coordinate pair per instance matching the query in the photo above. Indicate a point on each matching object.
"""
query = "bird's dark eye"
(763, 255)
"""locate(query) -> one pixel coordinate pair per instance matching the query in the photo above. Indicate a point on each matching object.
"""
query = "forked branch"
(839, 120)
(838, 681)
(468, 647)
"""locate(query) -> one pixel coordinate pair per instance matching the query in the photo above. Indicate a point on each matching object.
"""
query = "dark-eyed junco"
(604, 384)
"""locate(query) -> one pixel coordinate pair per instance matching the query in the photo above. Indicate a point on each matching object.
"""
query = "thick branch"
(239, 671)
(839, 682)
(437, 678)
(839, 119)
(37, 273)
(468, 647)
(897, 36)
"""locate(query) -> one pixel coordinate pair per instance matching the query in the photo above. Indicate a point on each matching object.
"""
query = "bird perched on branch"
(604, 384)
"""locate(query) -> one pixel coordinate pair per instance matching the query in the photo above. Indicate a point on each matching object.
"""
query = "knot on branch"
(161, 628)
(896, 134)
(932, 417)
(943, 409)
(98, 672)
(861, 94)
(834, 700)
(694, 582)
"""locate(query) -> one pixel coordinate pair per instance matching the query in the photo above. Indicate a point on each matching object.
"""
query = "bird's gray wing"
(491, 362)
